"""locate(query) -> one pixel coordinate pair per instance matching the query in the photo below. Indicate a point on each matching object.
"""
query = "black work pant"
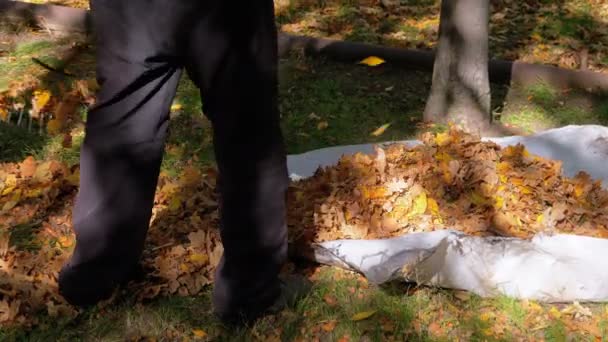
(231, 55)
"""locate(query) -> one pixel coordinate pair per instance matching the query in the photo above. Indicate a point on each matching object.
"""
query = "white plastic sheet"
(556, 268)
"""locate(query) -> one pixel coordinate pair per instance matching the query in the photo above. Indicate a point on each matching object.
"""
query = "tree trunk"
(460, 91)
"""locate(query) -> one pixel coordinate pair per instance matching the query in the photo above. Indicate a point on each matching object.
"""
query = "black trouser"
(230, 54)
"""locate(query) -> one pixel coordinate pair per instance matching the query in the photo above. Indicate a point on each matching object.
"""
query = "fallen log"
(61, 18)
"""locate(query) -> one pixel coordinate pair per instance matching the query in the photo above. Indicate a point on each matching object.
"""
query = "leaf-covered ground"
(566, 33)
(322, 104)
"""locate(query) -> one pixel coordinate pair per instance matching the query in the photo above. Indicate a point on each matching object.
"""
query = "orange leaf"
(199, 333)
(28, 167)
(329, 326)
(330, 300)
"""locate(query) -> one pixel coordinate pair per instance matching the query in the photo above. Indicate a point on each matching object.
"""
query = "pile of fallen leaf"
(451, 180)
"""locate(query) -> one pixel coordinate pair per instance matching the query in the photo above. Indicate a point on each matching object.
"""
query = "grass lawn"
(322, 104)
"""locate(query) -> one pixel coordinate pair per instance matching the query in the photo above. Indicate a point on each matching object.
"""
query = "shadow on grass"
(40, 61)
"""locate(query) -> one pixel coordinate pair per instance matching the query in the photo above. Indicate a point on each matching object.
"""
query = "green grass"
(513, 310)
(16, 143)
(23, 236)
(542, 94)
(556, 332)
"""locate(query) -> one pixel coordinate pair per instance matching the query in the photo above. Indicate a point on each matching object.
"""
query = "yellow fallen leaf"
(499, 202)
(525, 190)
(380, 130)
(322, 125)
(363, 315)
(372, 61)
(199, 258)
(41, 98)
(478, 199)
(176, 107)
(433, 206)
(32, 193)
(554, 312)
(579, 190)
(503, 167)
(10, 183)
(199, 333)
(3, 114)
(419, 206)
(184, 268)
(486, 316)
(534, 307)
(442, 139)
(443, 157)
(66, 241)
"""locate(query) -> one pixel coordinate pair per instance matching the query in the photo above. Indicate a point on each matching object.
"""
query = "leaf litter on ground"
(451, 179)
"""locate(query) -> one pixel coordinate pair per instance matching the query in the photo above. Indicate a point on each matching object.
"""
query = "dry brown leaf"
(330, 300)
(329, 326)
(28, 167)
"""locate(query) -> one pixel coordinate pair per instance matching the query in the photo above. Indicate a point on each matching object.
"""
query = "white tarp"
(554, 268)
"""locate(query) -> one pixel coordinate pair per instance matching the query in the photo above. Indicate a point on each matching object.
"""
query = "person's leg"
(233, 59)
(123, 146)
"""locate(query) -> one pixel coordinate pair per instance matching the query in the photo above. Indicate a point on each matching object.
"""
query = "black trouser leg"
(232, 58)
(122, 150)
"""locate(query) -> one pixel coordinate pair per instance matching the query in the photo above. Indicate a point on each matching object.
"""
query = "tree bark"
(460, 90)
